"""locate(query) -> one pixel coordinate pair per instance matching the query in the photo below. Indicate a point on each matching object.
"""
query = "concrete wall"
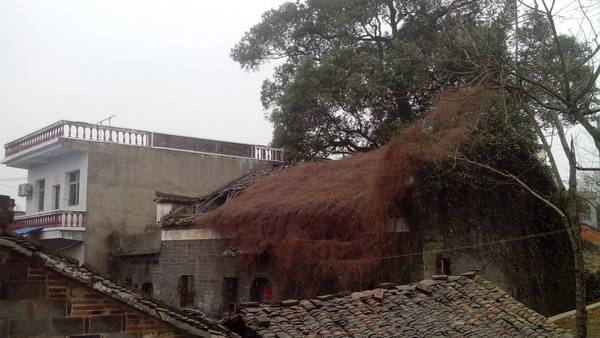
(36, 302)
(201, 145)
(122, 181)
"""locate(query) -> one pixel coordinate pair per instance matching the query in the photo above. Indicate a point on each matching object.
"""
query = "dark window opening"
(186, 291)
(443, 265)
(230, 294)
(260, 290)
(147, 288)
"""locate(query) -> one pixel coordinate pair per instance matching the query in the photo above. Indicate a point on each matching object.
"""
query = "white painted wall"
(55, 172)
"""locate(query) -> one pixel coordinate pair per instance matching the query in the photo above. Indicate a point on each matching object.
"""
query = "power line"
(466, 247)
(459, 248)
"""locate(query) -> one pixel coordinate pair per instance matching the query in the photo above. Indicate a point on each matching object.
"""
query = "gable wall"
(202, 259)
(35, 302)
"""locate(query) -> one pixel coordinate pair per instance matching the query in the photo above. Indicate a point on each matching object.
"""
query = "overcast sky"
(159, 66)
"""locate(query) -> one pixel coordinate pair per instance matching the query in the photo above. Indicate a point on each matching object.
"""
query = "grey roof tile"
(194, 325)
(456, 307)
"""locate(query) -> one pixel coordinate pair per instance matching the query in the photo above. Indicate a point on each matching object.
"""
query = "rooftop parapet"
(102, 133)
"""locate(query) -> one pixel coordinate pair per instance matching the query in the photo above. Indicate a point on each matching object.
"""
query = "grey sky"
(161, 66)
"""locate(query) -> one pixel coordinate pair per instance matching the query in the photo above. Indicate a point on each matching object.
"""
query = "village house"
(296, 231)
(195, 268)
(90, 185)
(43, 294)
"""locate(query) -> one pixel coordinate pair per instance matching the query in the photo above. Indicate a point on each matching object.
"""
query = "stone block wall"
(36, 302)
(459, 263)
(204, 260)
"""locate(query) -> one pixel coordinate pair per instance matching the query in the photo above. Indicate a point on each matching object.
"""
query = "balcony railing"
(78, 130)
(266, 153)
(51, 219)
(98, 132)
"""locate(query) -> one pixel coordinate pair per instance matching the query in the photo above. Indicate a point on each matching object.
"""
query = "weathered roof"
(233, 188)
(191, 323)
(192, 206)
(162, 197)
(458, 306)
(333, 218)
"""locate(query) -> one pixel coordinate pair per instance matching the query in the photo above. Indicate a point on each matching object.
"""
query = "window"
(230, 294)
(56, 195)
(147, 288)
(73, 187)
(41, 189)
(585, 214)
(260, 290)
(443, 265)
(186, 291)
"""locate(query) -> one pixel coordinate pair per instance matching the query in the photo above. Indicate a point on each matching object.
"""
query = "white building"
(88, 185)
(588, 213)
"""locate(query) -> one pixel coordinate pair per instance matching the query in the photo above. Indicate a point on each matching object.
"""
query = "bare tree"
(553, 74)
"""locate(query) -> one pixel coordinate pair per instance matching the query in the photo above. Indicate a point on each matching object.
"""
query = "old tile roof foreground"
(191, 322)
(458, 306)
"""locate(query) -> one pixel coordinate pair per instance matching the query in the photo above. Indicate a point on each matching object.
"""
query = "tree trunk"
(572, 224)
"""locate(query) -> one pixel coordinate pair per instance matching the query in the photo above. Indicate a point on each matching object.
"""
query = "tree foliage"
(552, 74)
(466, 205)
(353, 72)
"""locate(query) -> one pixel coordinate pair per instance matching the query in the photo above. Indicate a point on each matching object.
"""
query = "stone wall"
(201, 258)
(35, 302)
(458, 262)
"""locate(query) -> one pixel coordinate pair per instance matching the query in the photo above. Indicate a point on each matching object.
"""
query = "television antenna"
(106, 119)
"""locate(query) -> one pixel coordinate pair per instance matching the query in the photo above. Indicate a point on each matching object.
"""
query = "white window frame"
(74, 187)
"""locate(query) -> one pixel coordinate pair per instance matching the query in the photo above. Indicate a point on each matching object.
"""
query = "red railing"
(52, 219)
(78, 130)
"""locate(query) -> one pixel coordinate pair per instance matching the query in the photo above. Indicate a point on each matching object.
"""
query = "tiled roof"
(189, 322)
(231, 189)
(186, 215)
(162, 197)
(459, 306)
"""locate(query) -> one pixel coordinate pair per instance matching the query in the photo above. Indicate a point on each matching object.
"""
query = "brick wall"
(202, 259)
(36, 302)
